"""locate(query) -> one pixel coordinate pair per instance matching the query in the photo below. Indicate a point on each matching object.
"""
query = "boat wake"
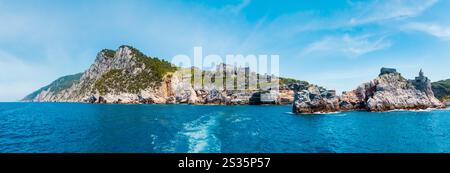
(200, 135)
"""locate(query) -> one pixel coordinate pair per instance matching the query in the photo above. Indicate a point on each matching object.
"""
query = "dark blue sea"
(93, 128)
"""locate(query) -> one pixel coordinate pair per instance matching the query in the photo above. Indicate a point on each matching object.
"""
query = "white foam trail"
(315, 113)
(418, 110)
(154, 138)
(339, 115)
(200, 138)
(237, 120)
(326, 113)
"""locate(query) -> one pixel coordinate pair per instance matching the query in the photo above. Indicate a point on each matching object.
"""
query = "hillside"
(126, 70)
(58, 85)
(129, 76)
(441, 90)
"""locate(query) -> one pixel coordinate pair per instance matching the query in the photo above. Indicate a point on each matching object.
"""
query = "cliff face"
(388, 91)
(116, 76)
(128, 76)
(441, 90)
(312, 99)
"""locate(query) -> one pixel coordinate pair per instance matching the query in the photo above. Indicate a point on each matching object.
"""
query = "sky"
(336, 44)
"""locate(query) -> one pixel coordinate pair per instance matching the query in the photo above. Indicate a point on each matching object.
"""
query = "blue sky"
(336, 44)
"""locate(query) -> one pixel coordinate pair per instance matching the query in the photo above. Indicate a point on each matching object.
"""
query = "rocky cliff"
(115, 76)
(128, 76)
(388, 91)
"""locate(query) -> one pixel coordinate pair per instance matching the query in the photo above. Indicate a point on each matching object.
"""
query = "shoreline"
(158, 104)
(231, 105)
(393, 110)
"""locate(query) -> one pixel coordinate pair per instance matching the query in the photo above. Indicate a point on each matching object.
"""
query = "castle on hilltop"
(422, 83)
(385, 70)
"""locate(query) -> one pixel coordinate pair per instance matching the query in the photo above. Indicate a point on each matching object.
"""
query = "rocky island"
(389, 91)
(128, 76)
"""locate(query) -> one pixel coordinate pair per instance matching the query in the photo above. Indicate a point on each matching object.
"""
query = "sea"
(121, 128)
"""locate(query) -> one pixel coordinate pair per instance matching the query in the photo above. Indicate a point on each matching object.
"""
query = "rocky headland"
(127, 76)
(389, 91)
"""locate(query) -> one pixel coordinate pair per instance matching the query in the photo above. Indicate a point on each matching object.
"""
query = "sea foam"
(199, 135)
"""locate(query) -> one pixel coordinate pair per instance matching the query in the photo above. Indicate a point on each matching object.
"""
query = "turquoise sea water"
(86, 128)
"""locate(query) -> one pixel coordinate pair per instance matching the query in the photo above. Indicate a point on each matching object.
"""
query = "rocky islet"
(389, 91)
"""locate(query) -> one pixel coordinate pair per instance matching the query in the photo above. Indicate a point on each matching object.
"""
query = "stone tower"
(422, 83)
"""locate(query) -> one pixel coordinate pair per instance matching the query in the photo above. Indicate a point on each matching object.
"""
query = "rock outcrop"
(389, 91)
(313, 99)
(127, 76)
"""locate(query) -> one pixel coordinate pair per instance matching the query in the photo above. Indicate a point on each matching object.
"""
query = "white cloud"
(350, 46)
(236, 9)
(441, 32)
(380, 11)
(360, 13)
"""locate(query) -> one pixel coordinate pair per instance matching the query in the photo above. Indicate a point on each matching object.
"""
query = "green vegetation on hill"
(65, 82)
(123, 81)
(441, 89)
(210, 75)
(109, 53)
(120, 81)
(160, 66)
(56, 86)
(291, 81)
(147, 72)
